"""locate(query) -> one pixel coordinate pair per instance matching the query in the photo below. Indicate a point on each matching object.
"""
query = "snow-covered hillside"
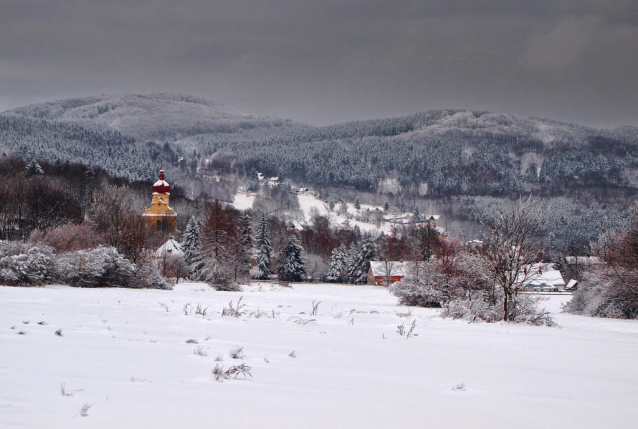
(144, 116)
(134, 363)
(309, 203)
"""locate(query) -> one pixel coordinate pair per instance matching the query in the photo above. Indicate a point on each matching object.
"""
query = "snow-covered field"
(124, 354)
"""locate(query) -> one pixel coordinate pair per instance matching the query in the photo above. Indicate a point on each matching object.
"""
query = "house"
(170, 260)
(543, 278)
(572, 285)
(380, 271)
(169, 249)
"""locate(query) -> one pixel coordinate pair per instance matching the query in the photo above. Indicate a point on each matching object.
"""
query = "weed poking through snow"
(188, 309)
(64, 392)
(200, 351)
(315, 307)
(238, 353)
(411, 331)
(59, 333)
(234, 311)
(292, 354)
(201, 310)
(164, 306)
(85, 409)
(232, 372)
(460, 386)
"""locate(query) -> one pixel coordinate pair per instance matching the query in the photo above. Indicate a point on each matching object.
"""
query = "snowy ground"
(124, 354)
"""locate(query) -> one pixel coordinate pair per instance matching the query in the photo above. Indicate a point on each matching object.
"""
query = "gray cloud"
(332, 60)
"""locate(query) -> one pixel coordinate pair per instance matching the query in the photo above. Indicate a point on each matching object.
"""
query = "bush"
(100, 267)
(413, 292)
(603, 295)
(149, 276)
(220, 277)
(25, 264)
(70, 238)
(481, 308)
(106, 267)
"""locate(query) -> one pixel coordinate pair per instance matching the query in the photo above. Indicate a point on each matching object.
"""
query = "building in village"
(170, 259)
(382, 272)
(544, 278)
(160, 215)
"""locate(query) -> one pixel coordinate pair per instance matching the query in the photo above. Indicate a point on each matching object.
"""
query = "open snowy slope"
(125, 355)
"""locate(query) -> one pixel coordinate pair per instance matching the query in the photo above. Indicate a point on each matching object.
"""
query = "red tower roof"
(161, 186)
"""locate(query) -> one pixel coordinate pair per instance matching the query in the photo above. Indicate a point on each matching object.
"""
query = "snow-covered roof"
(546, 276)
(571, 284)
(170, 248)
(583, 260)
(383, 268)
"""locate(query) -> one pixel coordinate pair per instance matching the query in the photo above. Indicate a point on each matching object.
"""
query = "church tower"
(160, 215)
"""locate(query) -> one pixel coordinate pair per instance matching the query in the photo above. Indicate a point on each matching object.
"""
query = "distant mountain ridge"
(434, 153)
(145, 116)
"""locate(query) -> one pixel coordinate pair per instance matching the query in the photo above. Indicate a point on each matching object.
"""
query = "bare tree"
(513, 245)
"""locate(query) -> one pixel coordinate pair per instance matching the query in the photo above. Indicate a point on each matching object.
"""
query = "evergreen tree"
(417, 215)
(358, 270)
(357, 231)
(338, 264)
(191, 240)
(292, 267)
(401, 205)
(386, 207)
(263, 249)
(246, 241)
(34, 169)
(357, 205)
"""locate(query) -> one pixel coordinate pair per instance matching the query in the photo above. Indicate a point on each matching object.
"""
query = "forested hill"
(149, 116)
(436, 153)
(52, 141)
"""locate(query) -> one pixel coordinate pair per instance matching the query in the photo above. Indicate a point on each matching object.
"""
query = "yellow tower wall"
(160, 215)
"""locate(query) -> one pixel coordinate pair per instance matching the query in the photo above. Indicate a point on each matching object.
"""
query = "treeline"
(68, 216)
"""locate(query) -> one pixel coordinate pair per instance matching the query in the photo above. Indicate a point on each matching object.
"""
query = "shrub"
(481, 308)
(25, 264)
(103, 266)
(602, 294)
(70, 238)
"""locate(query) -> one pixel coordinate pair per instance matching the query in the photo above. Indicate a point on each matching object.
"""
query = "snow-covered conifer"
(191, 240)
(292, 267)
(417, 215)
(263, 249)
(338, 264)
(358, 269)
(34, 169)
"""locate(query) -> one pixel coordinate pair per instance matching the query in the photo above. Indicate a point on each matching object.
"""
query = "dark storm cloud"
(329, 61)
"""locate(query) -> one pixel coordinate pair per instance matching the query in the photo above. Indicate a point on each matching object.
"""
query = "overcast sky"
(328, 61)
